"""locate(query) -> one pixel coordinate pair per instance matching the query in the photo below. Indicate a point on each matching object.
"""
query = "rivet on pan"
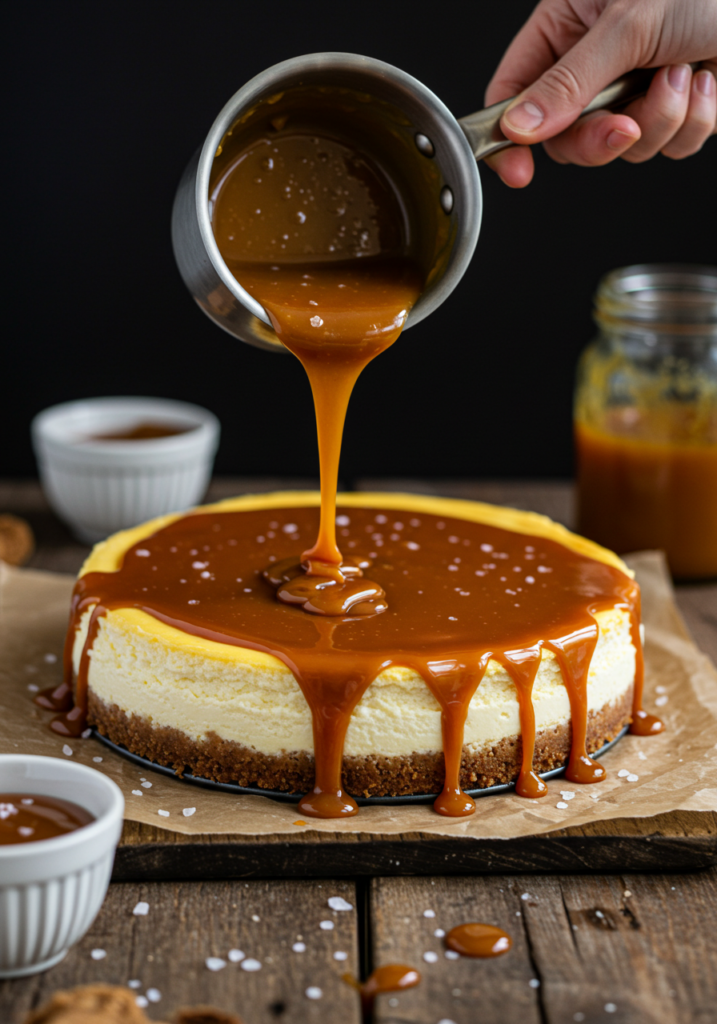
(446, 199)
(424, 145)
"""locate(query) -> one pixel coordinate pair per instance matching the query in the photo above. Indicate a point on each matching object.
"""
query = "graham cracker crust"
(293, 772)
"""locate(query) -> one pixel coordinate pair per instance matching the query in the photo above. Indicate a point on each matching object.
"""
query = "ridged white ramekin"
(52, 890)
(99, 487)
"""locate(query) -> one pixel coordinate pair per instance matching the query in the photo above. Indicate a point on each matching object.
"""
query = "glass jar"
(646, 416)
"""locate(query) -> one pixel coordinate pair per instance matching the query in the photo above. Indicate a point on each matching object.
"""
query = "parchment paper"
(676, 770)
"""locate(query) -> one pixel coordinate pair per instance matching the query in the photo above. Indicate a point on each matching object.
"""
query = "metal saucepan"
(421, 123)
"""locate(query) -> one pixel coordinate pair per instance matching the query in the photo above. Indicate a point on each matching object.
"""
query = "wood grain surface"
(623, 948)
(167, 950)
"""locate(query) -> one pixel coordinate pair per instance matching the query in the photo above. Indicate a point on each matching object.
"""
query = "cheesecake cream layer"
(199, 692)
(200, 688)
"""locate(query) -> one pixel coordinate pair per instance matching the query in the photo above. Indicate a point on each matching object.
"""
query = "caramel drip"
(643, 723)
(574, 653)
(389, 978)
(505, 597)
(479, 940)
(29, 818)
(522, 667)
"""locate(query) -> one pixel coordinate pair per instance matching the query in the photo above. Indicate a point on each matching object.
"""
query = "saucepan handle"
(483, 128)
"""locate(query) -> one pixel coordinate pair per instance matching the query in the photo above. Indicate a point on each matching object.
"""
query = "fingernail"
(677, 76)
(619, 140)
(705, 82)
(525, 117)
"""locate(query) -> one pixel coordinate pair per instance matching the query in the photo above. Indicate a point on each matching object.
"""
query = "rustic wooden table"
(623, 948)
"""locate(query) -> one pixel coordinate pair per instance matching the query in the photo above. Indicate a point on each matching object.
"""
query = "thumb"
(556, 99)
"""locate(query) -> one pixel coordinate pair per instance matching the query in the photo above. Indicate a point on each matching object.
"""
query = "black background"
(105, 104)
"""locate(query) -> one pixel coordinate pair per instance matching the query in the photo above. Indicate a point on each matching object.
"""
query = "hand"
(569, 50)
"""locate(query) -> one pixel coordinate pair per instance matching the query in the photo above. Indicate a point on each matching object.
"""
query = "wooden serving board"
(678, 841)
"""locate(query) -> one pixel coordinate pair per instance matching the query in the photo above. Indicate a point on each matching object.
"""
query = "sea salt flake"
(145, 784)
(154, 995)
(164, 814)
(33, 687)
(342, 520)
(137, 792)
(86, 733)
(429, 913)
(67, 751)
(430, 957)
(52, 658)
(633, 777)
(567, 794)
(661, 689)
(188, 811)
(97, 760)
(642, 755)
(255, 917)
(235, 955)
(340, 955)
(450, 954)
(439, 933)
(339, 903)
(299, 947)
(314, 992)
(316, 321)
(98, 954)
(141, 909)
(215, 963)
(525, 896)
(142, 1002)
(452, 618)
(134, 983)
(326, 926)
(623, 773)
(561, 805)
(610, 1007)
(250, 965)
(534, 983)
(25, 831)
(142, 553)
(661, 701)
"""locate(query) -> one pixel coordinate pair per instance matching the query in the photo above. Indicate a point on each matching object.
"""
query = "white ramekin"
(99, 487)
(52, 890)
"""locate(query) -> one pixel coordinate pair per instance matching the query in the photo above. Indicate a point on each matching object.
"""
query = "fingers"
(594, 140)
(514, 166)
(661, 112)
(701, 119)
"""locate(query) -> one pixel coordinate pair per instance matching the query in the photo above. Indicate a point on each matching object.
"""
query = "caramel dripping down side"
(334, 676)
(643, 723)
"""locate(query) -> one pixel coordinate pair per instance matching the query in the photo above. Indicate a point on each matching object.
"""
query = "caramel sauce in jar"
(646, 417)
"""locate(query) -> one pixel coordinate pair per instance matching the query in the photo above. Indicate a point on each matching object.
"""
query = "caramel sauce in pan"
(148, 431)
(479, 940)
(389, 978)
(458, 593)
(315, 230)
(28, 818)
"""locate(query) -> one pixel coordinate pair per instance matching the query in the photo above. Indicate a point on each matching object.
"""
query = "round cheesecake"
(234, 713)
